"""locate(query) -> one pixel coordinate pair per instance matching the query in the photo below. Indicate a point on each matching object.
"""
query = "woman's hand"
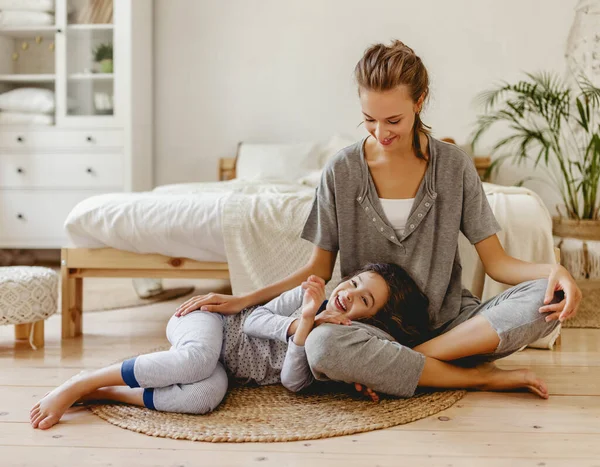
(561, 280)
(367, 392)
(218, 303)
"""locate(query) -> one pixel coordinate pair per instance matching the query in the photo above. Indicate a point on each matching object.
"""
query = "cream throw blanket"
(263, 245)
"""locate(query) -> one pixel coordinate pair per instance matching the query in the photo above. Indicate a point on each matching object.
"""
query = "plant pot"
(106, 66)
(581, 229)
(579, 241)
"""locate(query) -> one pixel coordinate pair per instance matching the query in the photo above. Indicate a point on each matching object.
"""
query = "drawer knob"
(20, 216)
(20, 170)
(20, 139)
(89, 170)
(90, 139)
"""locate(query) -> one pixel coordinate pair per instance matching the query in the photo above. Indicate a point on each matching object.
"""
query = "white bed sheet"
(179, 220)
(173, 224)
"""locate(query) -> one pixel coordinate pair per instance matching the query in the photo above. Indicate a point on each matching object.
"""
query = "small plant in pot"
(103, 56)
(558, 129)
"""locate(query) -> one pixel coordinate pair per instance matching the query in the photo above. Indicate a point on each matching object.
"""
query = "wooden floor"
(488, 429)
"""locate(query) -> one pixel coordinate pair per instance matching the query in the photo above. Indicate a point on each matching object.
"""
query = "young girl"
(253, 346)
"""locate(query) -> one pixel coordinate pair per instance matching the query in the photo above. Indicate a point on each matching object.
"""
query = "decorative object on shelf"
(15, 56)
(103, 103)
(25, 45)
(103, 57)
(95, 12)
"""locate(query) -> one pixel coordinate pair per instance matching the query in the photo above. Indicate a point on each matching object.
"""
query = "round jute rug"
(273, 414)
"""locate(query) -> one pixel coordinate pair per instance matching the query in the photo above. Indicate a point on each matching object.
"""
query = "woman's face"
(389, 116)
(359, 297)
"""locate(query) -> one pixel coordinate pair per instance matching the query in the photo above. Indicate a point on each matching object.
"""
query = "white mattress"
(170, 223)
(180, 220)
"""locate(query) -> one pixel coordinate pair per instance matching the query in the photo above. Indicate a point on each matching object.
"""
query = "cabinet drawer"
(36, 218)
(55, 139)
(61, 171)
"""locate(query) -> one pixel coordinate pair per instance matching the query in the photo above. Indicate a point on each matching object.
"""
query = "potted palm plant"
(558, 129)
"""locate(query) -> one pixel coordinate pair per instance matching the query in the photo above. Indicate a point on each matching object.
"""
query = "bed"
(233, 229)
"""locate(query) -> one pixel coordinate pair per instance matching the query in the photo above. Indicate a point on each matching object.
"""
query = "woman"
(401, 196)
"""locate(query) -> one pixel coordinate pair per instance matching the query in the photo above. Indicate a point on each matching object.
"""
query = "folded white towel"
(25, 18)
(27, 5)
(17, 118)
(28, 100)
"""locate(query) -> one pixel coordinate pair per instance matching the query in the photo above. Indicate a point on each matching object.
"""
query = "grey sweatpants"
(187, 378)
(353, 355)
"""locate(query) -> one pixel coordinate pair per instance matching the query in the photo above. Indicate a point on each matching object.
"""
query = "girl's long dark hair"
(404, 316)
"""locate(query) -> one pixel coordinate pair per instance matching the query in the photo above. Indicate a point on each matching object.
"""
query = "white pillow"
(312, 179)
(34, 100)
(16, 118)
(283, 162)
(25, 18)
(29, 5)
(332, 147)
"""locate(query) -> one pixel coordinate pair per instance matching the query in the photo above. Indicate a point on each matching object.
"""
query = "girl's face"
(359, 297)
(389, 116)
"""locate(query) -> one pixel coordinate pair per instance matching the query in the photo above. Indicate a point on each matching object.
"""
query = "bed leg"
(72, 301)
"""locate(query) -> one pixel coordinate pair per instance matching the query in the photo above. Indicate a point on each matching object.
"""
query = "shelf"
(41, 78)
(91, 77)
(28, 32)
(90, 27)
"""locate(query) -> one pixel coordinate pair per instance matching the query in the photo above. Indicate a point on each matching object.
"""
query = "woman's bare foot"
(50, 409)
(505, 380)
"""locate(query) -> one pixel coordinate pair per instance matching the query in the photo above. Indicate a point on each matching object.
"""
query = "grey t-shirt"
(347, 216)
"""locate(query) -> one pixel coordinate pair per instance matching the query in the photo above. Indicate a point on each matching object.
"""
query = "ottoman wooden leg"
(22, 331)
(38, 334)
(71, 306)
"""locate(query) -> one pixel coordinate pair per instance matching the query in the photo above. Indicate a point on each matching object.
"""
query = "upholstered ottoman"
(28, 295)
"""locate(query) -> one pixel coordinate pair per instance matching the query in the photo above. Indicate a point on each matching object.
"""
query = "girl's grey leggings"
(187, 378)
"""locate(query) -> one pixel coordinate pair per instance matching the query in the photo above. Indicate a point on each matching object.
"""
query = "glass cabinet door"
(89, 42)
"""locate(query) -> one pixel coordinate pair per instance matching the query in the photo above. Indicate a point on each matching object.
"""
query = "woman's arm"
(321, 264)
(508, 270)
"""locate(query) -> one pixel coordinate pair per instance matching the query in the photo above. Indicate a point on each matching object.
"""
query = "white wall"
(275, 71)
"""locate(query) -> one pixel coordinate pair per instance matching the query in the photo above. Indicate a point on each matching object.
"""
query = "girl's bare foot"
(50, 409)
(133, 396)
(504, 380)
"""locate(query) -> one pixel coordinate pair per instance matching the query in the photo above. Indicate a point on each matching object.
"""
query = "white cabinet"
(96, 58)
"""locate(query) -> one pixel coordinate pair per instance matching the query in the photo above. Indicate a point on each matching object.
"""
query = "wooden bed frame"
(79, 263)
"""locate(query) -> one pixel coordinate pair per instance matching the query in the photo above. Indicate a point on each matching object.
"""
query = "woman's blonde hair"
(383, 68)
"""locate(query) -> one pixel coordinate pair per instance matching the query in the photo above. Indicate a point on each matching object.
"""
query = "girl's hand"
(314, 296)
(367, 392)
(561, 280)
(218, 303)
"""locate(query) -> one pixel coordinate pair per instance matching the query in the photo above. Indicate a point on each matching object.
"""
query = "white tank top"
(397, 211)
